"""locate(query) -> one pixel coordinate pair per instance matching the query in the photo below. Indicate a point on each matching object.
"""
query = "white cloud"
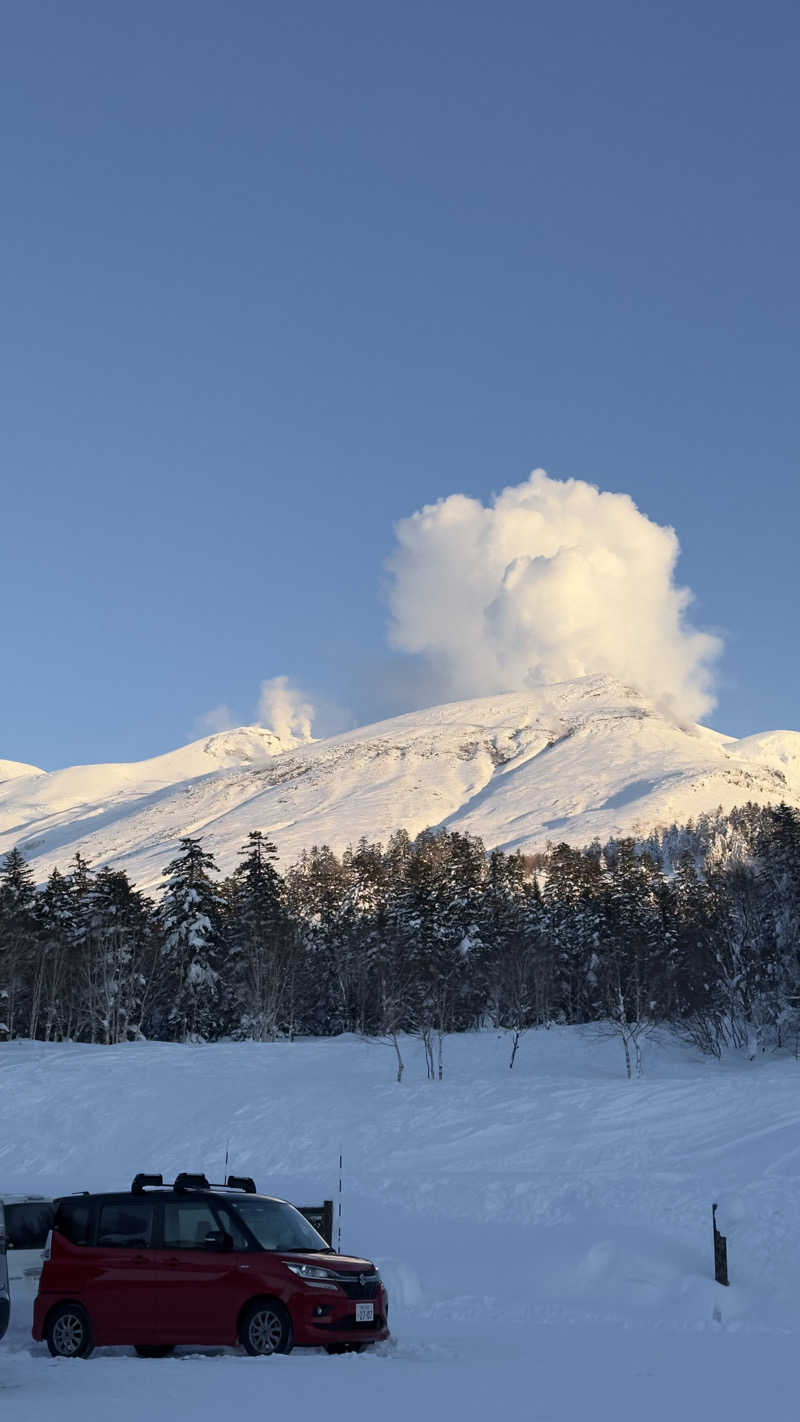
(552, 580)
(284, 709)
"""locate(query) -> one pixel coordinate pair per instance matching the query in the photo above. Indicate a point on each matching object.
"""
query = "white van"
(26, 1225)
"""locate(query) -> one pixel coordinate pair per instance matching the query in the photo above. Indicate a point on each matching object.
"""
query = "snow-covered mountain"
(576, 761)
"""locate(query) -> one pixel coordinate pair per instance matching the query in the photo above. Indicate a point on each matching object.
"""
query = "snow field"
(545, 1234)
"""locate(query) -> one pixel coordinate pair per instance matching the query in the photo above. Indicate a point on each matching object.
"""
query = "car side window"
(187, 1223)
(125, 1224)
(241, 1240)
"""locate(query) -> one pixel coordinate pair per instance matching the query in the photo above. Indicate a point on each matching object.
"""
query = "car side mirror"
(218, 1239)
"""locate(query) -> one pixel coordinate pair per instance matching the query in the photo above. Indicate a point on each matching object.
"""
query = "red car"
(193, 1263)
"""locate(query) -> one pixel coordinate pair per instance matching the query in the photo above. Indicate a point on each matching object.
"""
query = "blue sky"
(275, 276)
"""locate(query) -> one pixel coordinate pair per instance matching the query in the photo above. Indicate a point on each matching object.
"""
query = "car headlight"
(310, 1271)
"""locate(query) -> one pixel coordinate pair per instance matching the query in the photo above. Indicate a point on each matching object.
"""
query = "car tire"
(69, 1332)
(265, 1328)
(154, 1350)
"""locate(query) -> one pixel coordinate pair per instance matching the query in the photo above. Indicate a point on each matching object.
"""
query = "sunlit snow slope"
(581, 760)
(15, 769)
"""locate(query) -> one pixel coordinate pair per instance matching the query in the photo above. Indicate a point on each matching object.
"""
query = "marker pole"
(338, 1230)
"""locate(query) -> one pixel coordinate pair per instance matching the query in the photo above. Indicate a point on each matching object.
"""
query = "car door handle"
(172, 1262)
(140, 1259)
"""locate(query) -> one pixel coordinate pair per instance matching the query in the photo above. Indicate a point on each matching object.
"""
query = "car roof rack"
(141, 1181)
(187, 1181)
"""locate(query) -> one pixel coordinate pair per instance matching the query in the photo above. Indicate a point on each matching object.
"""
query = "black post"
(327, 1222)
(321, 1217)
(720, 1252)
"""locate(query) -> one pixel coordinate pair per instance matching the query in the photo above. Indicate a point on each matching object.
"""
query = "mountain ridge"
(578, 761)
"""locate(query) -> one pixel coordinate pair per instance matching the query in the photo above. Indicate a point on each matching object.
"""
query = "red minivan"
(193, 1263)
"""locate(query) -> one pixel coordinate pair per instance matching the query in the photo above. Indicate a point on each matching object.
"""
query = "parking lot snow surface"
(545, 1233)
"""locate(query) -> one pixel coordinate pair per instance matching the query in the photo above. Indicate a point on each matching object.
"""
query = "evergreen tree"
(631, 969)
(262, 945)
(778, 855)
(80, 880)
(573, 920)
(315, 888)
(19, 945)
(358, 931)
(190, 918)
(58, 936)
(119, 958)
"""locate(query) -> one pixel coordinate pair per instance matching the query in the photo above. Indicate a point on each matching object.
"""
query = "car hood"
(341, 1263)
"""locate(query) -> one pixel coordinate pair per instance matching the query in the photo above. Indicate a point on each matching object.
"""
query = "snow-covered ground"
(585, 759)
(545, 1234)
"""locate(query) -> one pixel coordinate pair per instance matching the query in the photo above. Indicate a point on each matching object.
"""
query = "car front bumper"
(320, 1318)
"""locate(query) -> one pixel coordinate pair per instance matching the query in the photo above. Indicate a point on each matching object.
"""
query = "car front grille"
(355, 1289)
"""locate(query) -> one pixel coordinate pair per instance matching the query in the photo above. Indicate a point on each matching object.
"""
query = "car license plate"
(365, 1313)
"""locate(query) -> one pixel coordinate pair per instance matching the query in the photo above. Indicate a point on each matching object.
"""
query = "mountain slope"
(581, 760)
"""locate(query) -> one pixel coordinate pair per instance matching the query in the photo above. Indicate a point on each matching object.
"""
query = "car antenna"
(227, 1149)
(339, 1230)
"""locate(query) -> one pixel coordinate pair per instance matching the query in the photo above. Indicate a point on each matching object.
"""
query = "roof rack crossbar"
(242, 1182)
(187, 1181)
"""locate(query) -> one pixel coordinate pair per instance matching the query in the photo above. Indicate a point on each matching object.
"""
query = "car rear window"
(73, 1220)
(28, 1225)
(127, 1224)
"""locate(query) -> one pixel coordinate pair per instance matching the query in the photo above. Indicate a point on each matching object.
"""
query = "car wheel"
(265, 1328)
(154, 1350)
(69, 1332)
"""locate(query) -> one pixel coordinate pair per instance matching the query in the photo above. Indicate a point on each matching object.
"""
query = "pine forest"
(693, 929)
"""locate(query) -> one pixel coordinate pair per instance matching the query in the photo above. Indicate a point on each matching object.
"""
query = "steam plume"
(553, 580)
(284, 709)
(218, 718)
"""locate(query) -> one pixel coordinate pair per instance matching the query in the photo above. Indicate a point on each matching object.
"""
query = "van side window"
(73, 1220)
(232, 1224)
(125, 1224)
(186, 1224)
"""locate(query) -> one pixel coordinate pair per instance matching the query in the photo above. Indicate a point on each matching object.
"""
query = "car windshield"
(277, 1225)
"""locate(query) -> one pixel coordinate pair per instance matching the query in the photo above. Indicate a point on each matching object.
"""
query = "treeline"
(698, 928)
